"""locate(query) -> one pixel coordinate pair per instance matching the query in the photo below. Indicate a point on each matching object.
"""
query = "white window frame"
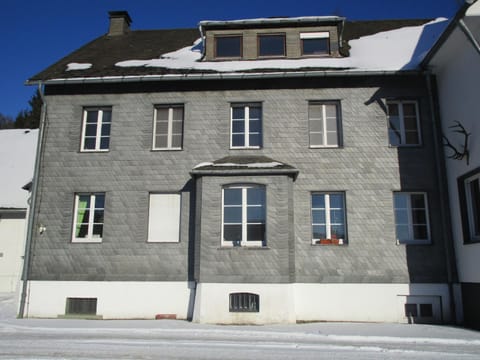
(400, 104)
(474, 238)
(246, 121)
(175, 217)
(89, 238)
(244, 241)
(98, 135)
(411, 238)
(170, 134)
(328, 223)
(324, 124)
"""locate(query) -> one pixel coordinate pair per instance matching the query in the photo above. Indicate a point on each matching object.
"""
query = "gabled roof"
(176, 53)
(17, 159)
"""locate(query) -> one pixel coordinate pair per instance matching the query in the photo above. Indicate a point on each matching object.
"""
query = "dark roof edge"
(446, 33)
(221, 76)
(244, 171)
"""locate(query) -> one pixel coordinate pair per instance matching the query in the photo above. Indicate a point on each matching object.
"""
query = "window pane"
(98, 217)
(232, 196)
(319, 232)
(419, 217)
(238, 140)
(417, 201)
(331, 124)
(104, 143)
(107, 116)
(255, 214)
(162, 114)
(177, 127)
(271, 45)
(255, 126)
(420, 232)
(315, 46)
(400, 200)
(475, 205)
(318, 201)
(232, 233)
(177, 114)
(337, 217)
(393, 110)
(97, 231)
(401, 216)
(411, 138)
(176, 141)
(336, 201)
(89, 144)
(238, 126)
(410, 124)
(409, 110)
(255, 232)
(338, 231)
(106, 129)
(161, 141)
(238, 113)
(394, 131)
(316, 126)
(255, 112)
(92, 117)
(331, 110)
(232, 215)
(99, 201)
(162, 127)
(229, 46)
(256, 196)
(255, 140)
(81, 230)
(91, 130)
(316, 139)
(318, 216)
(332, 138)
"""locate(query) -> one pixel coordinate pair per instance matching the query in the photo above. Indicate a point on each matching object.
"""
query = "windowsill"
(329, 242)
(245, 147)
(163, 242)
(94, 151)
(87, 241)
(325, 147)
(167, 149)
(243, 248)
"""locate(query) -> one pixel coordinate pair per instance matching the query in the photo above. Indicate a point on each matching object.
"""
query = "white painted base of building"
(115, 300)
(290, 303)
(278, 303)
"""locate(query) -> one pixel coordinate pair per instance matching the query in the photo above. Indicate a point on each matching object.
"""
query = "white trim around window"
(96, 124)
(472, 194)
(328, 214)
(412, 224)
(324, 124)
(246, 126)
(168, 127)
(88, 217)
(244, 215)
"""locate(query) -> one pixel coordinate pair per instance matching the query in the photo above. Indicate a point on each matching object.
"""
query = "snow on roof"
(78, 66)
(17, 159)
(279, 20)
(400, 49)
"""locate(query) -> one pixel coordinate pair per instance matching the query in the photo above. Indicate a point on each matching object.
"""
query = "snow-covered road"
(169, 339)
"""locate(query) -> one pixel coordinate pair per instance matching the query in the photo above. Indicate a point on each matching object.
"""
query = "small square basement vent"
(81, 306)
(244, 302)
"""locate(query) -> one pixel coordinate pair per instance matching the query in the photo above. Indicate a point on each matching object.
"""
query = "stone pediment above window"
(244, 165)
(272, 38)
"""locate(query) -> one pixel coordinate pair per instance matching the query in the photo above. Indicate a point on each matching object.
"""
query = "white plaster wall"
(212, 304)
(115, 300)
(457, 67)
(12, 242)
(362, 302)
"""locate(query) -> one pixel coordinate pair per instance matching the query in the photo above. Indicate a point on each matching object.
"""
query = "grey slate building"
(268, 170)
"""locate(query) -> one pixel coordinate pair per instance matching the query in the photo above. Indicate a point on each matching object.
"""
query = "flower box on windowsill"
(333, 241)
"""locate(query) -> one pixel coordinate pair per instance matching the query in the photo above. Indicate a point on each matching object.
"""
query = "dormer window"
(315, 43)
(271, 45)
(229, 46)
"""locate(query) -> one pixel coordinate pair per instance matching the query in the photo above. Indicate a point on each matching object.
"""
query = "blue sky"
(35, 34)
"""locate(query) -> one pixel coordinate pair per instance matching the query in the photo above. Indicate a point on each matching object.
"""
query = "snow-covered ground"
(170, 339)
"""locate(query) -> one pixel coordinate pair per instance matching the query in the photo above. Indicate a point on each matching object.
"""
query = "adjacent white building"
(17, 157)
(455, 60)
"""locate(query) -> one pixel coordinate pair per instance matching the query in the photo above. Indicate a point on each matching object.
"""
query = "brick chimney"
(119, 23)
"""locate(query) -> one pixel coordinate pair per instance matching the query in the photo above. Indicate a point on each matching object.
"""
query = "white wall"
(115, 300)
(457, 67)
(12, 242)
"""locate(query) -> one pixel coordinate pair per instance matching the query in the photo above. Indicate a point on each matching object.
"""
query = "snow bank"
(17, 160)
(400, 49)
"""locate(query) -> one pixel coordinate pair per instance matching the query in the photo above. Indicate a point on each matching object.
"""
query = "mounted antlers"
(458, 155)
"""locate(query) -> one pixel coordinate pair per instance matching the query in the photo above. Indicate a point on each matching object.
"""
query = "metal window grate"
(244, 302)
(81, 306)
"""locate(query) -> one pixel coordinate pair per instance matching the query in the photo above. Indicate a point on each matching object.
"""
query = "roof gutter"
(225, 76)
(469, 35)
(33, 201)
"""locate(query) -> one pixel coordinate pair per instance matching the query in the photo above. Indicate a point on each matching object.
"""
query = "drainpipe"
(444, 200)
(33, 198)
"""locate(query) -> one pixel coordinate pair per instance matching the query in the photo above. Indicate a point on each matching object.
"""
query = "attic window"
(229, 46)
(315, 43)
(271, 45)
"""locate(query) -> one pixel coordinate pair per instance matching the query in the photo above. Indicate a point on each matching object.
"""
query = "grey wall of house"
(366, 168)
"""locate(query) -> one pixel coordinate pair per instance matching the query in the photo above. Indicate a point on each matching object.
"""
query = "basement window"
(244, 302)
(81, 306)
